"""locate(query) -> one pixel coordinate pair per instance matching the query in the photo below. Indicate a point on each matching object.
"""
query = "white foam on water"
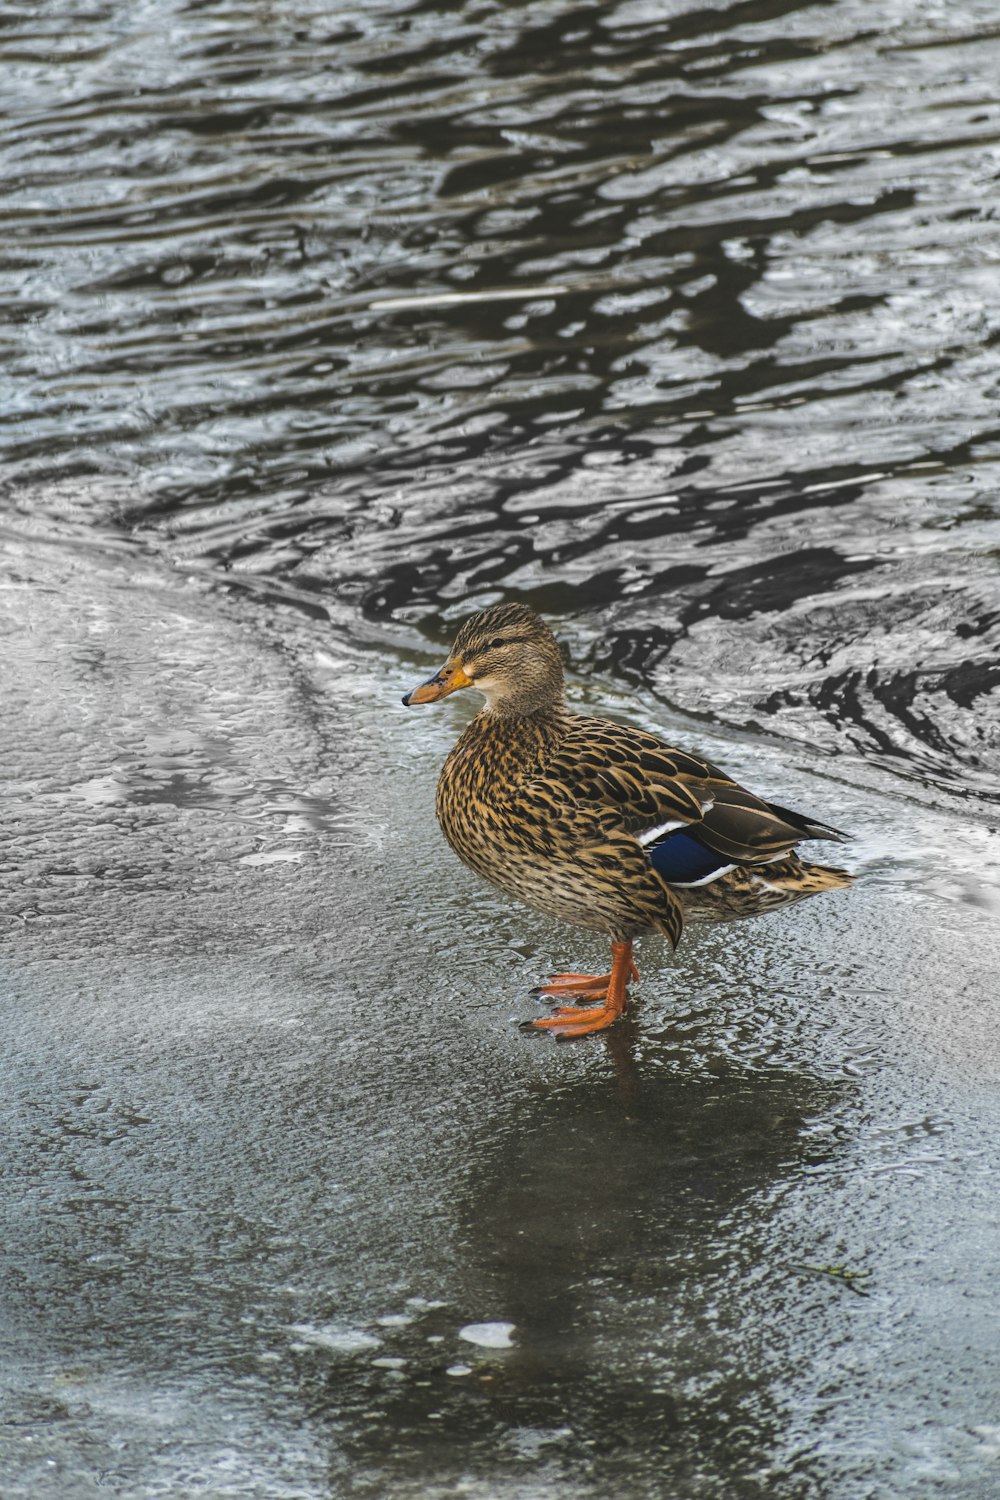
(488, 1335)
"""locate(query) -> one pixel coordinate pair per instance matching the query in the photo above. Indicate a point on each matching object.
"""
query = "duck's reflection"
(624, 1231)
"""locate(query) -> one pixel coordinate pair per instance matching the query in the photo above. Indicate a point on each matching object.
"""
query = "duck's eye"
(493, 645)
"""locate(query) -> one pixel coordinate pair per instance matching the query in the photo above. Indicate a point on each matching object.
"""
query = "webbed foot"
(572, 1021)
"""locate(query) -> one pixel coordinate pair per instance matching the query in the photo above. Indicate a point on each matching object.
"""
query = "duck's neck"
(523, 705)
(535, 688)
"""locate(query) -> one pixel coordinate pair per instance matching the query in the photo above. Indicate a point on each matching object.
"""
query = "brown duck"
(597, 823)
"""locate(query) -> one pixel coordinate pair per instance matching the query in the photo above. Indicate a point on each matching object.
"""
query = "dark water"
(676, 321)
(322, 326)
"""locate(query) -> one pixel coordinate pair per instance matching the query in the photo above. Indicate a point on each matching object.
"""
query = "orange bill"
(448, 680)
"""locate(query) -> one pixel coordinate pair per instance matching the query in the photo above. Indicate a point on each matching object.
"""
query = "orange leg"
(587, 986)
(569, 1021)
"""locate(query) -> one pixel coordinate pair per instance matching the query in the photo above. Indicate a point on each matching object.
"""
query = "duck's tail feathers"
(802, 879)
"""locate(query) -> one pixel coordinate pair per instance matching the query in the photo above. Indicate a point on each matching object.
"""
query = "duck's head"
(509, 655)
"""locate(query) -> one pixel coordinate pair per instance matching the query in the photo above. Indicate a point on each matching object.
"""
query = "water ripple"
(677, 322)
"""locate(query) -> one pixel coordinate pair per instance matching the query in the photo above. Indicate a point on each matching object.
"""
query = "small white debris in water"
(459, 1370)
(488, 1335)
(394, 1320)
(337, 1339)
(527, 1442)
(435, 1338)
(422, 1304)
(388, 1362)
(274, 856)
(458, 299)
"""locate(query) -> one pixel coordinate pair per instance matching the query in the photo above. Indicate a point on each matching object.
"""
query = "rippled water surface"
(680, 321)
(322, 325)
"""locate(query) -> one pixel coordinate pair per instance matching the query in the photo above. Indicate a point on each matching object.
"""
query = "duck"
(600, 824)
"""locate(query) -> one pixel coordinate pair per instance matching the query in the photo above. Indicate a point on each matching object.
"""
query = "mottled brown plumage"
(594, 822)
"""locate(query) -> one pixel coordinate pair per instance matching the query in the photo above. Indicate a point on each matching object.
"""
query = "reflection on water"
(274, 1138)
(626, 1235)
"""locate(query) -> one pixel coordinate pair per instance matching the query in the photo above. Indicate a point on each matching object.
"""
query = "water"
(321, 329)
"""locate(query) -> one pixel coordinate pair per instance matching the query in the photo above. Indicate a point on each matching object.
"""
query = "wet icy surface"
(274, 1140)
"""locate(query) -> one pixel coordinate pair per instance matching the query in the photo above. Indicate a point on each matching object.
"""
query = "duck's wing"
(634, 780)
(648, 789)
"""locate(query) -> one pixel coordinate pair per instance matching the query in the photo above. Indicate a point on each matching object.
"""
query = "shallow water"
(274, 1139)
(678, 323)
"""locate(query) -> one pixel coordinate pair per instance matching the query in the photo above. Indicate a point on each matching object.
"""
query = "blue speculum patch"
(683, 857)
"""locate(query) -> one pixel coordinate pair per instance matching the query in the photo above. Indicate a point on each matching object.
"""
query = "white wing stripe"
(686, 885)
(649, 834)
